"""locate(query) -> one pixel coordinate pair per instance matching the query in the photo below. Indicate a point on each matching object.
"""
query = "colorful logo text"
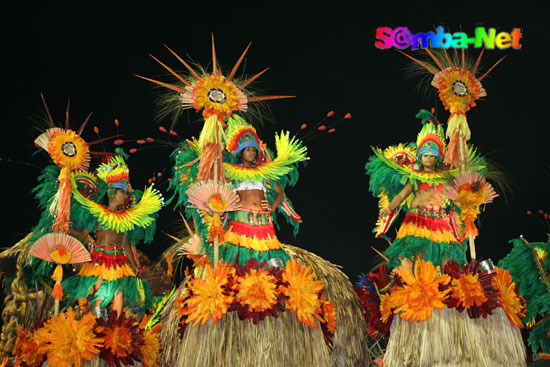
(402, 38)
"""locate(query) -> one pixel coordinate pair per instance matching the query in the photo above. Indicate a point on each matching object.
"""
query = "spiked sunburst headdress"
(458, 89)
(212, 93)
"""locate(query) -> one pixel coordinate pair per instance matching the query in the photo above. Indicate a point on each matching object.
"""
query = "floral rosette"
(254, 292)
(68, 339)
(257, 291)
(122, 340)
(416, 289)
(471, 289)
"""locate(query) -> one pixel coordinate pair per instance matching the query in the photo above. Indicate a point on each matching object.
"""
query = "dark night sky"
(325, 56)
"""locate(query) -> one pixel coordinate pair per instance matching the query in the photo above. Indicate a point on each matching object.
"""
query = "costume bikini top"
(425, 185)
(249, 185)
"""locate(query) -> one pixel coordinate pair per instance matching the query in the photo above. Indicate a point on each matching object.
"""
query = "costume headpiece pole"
(458, 89)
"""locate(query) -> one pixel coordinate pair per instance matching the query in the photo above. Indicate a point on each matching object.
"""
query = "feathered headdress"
(115, 172)
(240, 135)
(212, 93)
(430, 140)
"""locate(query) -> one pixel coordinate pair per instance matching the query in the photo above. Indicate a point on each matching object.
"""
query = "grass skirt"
(451, 338)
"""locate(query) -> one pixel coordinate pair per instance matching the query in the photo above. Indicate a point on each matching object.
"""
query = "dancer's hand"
(266, 206)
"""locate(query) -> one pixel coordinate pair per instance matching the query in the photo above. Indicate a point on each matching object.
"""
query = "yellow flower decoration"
(258, 290)
(303, 293)
(216, 96)
(420, 293)
(208, 300)
(61, 255)
(458, 89)
(512, 303)
(66, 340)
(468, 290)
(68, 150)
(217, 203)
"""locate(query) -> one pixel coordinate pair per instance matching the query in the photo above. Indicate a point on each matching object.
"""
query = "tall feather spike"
(193, 72)
(250, 80)
(214, 62)
(50, 119)
(492, 67)
(181, 79)
(234, 70)
(169, 86)
(424, 65)
(67, 114)
(81, 128)
(474, 70)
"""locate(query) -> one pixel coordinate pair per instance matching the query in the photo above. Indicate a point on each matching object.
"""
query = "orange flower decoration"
(421, 293)
(26, 350)
(151, 349)
(68, 150)
(216, 96)
(302, 293)
(66, 340)
(329, 311)
(512, 303)
(468, 290)
(385, 307)
(118, 340)
(258, 290)
(209, 299)
(458, 89)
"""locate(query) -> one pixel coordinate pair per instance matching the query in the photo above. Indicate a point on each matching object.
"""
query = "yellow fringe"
(409, 229)
(458, 122)
(109, 274)
(270, 243)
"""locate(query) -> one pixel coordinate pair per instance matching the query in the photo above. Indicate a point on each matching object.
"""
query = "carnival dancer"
(113, 269)
(427, 230)
(229, 309)
(438, 308)
(251, 233)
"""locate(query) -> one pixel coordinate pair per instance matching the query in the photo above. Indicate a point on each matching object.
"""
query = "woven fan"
(213, 197)
(59, 248)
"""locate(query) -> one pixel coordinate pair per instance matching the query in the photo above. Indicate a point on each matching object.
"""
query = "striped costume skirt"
(251, 234)
(113, 267)
(428, 234)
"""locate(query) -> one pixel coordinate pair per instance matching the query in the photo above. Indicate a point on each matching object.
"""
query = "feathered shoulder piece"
(185, 170)
(289, 152)
(391, 168)
(139, 215)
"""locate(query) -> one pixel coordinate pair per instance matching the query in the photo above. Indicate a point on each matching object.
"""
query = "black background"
(325, 55)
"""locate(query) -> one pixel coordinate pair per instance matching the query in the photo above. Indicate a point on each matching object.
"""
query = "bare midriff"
(428, 198)
(109, 238)
(251, 199)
